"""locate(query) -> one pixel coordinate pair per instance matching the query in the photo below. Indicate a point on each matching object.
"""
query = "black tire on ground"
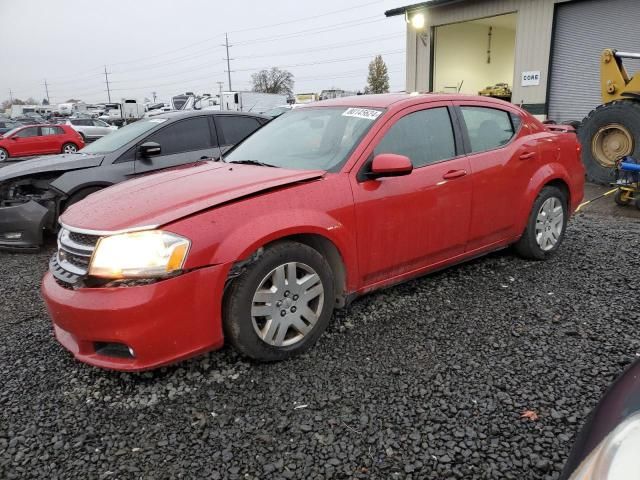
(623, 112)
(237, 306)
(621, 199)
(4, 155)
(69, 144)
(637, 202)
(527, 246)
(79, 195)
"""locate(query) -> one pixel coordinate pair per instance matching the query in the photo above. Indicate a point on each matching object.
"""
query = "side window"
(489, 128)
(183, 136)
(516, 121)
(27, 132)
(234, 129)
(425, 137)
(51, 131)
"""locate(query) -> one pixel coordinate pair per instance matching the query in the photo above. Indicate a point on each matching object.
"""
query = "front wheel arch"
(324, 247)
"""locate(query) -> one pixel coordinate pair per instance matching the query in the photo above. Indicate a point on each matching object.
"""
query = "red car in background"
(31, 140)
(324, 203)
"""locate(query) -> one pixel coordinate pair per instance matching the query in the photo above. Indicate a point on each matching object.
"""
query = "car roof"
(194, 113)
(387, 100)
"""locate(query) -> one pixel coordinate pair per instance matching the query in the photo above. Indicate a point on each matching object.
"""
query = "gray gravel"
(424, 380)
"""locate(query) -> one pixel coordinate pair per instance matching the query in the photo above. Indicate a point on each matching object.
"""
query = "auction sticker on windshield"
(362, 113)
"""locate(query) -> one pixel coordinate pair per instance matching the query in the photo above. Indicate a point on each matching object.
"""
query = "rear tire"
(4, 155)
(609, 132)
(268, 315)
(69, 148)
(545, 228)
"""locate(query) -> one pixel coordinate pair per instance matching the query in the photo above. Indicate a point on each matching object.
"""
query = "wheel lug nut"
(295, 297)
(278, 303)
(283, 313)
(293, 309)
(287, 293)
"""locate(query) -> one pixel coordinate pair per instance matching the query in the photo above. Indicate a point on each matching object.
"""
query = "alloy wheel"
(70, 149)
(549, 223)
(287, 304)
(3, 155)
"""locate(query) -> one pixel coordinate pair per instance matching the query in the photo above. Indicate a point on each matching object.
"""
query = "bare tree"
(32, 101)
(273, 81)
(378, 80)
(7, 103)
(73, 100)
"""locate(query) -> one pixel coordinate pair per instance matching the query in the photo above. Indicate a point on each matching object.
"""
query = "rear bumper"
(26, 222)
(161, 323)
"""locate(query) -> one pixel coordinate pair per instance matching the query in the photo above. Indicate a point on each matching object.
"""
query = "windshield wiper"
(253, 162)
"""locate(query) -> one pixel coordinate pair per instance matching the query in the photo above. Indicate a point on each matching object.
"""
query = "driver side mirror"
(149, 149)
(390, 165)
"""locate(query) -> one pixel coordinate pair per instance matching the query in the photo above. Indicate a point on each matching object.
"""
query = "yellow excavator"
(612, 130)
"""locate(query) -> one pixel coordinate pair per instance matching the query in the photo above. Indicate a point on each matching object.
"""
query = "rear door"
(232, 129)
(100, 128)
(53, 138)
(502, 158)
(183, 141)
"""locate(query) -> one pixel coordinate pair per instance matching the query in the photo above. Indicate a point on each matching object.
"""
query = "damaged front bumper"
(22, 225)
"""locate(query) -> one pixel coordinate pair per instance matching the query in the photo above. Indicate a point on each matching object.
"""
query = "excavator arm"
(615, 81)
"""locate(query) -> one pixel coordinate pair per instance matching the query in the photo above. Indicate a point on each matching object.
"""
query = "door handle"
(527, 155)
(450, 175)
(204, 157)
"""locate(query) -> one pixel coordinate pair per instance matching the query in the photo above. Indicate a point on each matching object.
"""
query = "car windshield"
(307, 138)
(122, 136)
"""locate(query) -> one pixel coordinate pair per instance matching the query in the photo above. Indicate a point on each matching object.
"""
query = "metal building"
(547, 51)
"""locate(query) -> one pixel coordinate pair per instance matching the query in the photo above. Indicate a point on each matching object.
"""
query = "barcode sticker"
(362, 113)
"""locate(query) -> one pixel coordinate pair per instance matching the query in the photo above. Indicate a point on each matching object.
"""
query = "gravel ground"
(425, 380)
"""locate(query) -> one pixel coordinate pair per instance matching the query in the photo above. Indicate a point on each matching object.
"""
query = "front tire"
(281, 304)
(4, 155)
(546, 225)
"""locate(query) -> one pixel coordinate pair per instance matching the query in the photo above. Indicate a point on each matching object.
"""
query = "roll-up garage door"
(582, 30)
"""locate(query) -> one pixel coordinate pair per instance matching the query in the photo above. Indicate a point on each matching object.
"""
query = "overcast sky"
(173, 46)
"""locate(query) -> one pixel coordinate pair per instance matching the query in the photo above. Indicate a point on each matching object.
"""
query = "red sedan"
(39, 140)
(325, 203)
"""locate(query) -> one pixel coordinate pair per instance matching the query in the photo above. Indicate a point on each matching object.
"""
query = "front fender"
(239, 242)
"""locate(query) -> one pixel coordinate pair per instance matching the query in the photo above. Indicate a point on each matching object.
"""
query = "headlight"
(616, 458)
(147, 254)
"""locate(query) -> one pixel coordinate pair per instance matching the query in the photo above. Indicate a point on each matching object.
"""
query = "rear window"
(52, 131)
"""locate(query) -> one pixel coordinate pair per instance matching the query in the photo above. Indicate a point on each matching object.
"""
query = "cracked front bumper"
(21, 226)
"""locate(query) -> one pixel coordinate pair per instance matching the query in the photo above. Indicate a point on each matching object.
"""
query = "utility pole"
(220, 93)
(106, 78)
(11, 95)
(46, 88)
(154, 96)
(226, 44)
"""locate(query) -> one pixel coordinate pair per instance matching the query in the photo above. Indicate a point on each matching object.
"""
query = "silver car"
(91, 128)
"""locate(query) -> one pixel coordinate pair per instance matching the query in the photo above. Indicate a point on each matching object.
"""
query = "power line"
(46, 89)
(314, 17)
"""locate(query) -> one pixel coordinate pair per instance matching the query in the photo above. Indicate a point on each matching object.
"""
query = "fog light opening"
(112, 349)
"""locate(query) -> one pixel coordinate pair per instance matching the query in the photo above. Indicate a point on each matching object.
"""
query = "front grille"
(84, 239)
(70, 264)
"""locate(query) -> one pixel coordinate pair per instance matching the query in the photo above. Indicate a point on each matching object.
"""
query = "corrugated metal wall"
(583, 30)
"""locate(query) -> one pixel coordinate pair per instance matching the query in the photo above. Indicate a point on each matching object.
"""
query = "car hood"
(164, 197)
(51, 163)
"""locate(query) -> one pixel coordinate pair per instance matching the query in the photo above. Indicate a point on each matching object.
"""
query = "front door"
(421, 219)
(25, 142)
(184, 141)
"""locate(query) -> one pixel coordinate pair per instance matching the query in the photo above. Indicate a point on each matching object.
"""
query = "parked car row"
(34, 192)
